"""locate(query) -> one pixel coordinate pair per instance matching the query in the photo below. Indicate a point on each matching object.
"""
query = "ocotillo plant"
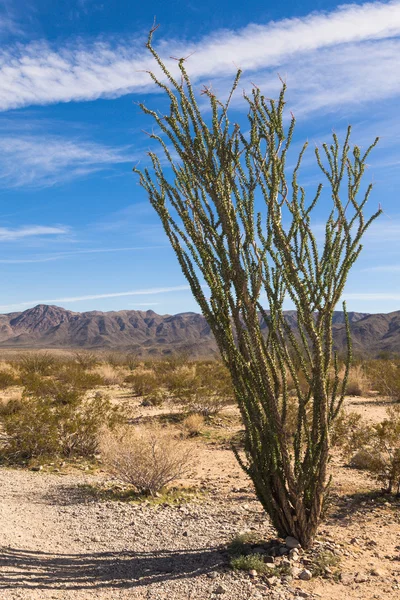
(241, 227)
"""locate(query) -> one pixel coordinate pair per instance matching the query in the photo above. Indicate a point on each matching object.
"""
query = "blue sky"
(76, 230)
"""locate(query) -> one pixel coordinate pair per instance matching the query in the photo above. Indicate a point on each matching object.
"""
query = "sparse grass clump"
(325, 562)
(247, 562)
(193, 425)
(147, 459)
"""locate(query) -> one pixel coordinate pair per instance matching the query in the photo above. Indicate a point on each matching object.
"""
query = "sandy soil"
(58, 541)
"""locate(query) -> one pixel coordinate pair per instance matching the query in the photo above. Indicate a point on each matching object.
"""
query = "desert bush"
(86, 360)
(47, 388)
(358, 383)
(193, 424)
(39, 427)
(376, 449)
(10, 405)
(7, 379)
(349, 432)
(147, 459)
(385, 377)
(39, 363)
(110, 375)
(144, 381)
(156, 397)
(73, 374)
(203, 387)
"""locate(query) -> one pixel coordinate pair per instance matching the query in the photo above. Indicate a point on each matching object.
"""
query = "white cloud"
(71, 254)
(9, 234)
(144, 292)
(43, 160)
(40, 74)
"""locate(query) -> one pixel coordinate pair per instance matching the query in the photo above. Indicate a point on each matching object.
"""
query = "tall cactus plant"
(241, 229)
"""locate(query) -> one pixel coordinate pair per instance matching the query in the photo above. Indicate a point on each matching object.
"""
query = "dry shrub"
(385, 377)
(144, 381)
(349, 432)
(193, 425)
(156, 397)
(10, 405)
(374, 448)
(147, 459)
(358, 383)
(109, 374)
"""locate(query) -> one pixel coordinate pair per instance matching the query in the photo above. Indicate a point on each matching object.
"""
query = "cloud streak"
(41, 74)
(47, 160)
(66, 255)
(7, 234)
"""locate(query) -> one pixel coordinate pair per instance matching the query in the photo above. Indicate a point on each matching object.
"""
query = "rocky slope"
(55, 327)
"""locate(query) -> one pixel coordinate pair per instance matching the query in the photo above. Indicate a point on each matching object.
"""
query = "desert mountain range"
(146, 332)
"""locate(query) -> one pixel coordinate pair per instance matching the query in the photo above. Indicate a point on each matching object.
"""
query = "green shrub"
(76, 376)
(40, 363)
(86, 360)
(43, 428)
(7, 379)
(324, 562)
(204, 387)
(54, 390)
(248, 562)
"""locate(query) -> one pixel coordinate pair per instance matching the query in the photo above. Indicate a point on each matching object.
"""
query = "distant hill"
(149, 333)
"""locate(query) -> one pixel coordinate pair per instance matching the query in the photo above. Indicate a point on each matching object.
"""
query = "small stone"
(377, 573)
(259, 551)
(212, 575)
(292, 543)
(253, 573)
(220, 590)
(38, 468)
(354, 540)
(269, 560)
(305, 575)
(96, 539)
(360, 578)
(185, 534)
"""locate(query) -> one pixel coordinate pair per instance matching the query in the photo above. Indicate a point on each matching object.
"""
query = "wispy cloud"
(9, 234)
(41, 74)
(143, 292)
(71, 254)
(48, 160)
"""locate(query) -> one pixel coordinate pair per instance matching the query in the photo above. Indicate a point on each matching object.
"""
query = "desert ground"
(66, 532)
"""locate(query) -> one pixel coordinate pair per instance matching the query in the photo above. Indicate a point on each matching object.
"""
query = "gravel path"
(59, 542)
